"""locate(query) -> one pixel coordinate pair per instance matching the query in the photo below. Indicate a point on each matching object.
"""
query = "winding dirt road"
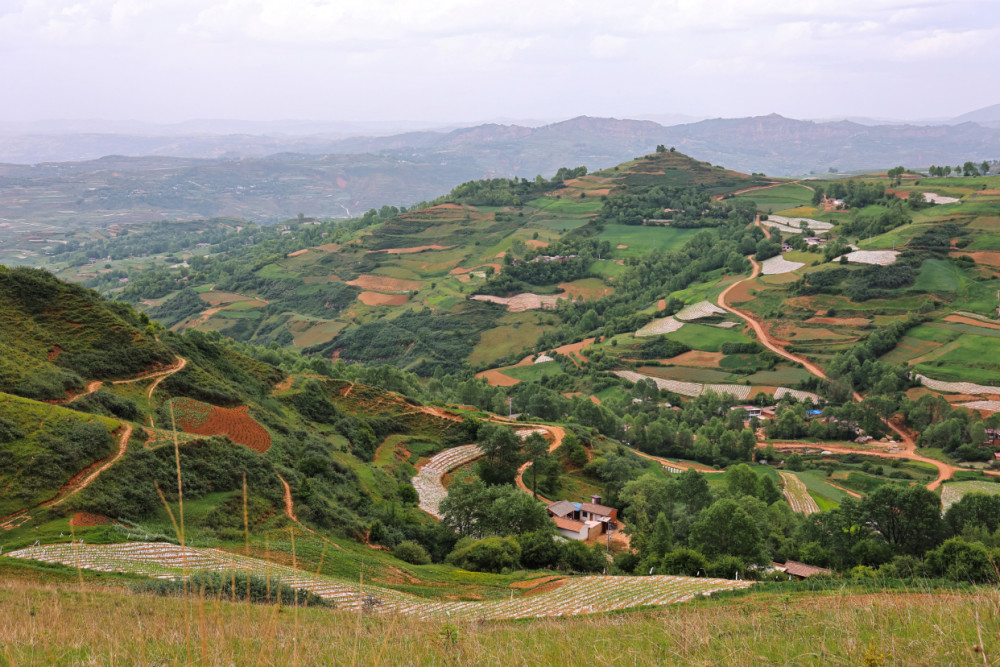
(909, 448)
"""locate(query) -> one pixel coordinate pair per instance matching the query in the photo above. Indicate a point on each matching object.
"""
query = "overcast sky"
(463, 60)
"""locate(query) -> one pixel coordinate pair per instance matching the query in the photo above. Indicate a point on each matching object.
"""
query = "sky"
(166, 61)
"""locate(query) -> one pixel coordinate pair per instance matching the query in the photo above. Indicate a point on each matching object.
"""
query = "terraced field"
(576, 596)
(798, 495)
(427, 482)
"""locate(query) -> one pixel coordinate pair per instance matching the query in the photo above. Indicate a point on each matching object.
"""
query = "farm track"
(83, 479)
(909, 449)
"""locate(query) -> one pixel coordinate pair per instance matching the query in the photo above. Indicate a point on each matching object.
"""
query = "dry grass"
(45, 624)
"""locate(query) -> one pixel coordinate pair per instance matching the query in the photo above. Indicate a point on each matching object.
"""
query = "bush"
(685, 562)
(411, 552)
(493, 554)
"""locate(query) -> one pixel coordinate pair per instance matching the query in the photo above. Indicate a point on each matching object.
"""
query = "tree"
(501, 454)
(741, 480)
(725, 528)
(908, 518)
(535, 447)
(985, 167)
(661, 541)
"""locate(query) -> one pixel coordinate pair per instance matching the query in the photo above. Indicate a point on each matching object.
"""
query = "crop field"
(571, 597)
(235, 423)
(699, 310)
(952, 492)
(797, 494)
(706, 338)
(661, 326)
(427, 481)
(939, 275)
(586, 288)
(780, 197)
(640, 240)
(777, 265)
(970, 358)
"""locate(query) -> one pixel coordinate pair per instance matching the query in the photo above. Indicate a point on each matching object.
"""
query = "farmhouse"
(800, 570)
(814, 241)
(752, 410)
(992, 437)
(578, 518)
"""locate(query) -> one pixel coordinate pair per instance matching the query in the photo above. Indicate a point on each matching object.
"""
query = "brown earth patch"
(54, 352)
(959, 319)
(329, 247)
(497, 268)
(521, 302)
(377, 299)
(220, 298)
(419, 248)
(82, 519)
(595, 400)
(741, 292)
(497, 379)
(535, 243)
(840, 321)
(445, 207)
(531, 583)
(385, 284)
(982, 257)
(576, 348)
(545, 588)
(577, 291)
(235, 423)
(621, 246)
(661, 304)
(297, 253)
(698, 359)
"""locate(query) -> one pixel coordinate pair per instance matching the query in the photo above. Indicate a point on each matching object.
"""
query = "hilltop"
(737, 372)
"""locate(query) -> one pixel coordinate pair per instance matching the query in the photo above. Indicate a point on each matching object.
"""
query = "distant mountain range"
(267, 177)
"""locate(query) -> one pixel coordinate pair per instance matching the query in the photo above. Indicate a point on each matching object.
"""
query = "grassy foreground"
(45, 624)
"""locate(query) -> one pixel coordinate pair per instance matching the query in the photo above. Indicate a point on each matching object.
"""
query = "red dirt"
(983, 257)
(497, 268)
(236, 423)
(54, 352)
(661, 304)
(595, 400)
(419, 248)
(556, 435)
(83, 478)
(297, 253)
(575, 349)
(571, 291)
(535, 243)
(621, 246)
(377, 299)
(697, 359)
(531, 583)
(497, 379)
(81, 519)
(545, 588)
(968, 320)
(385, 284)
(841, 321)
(220, 298)
(329, 247)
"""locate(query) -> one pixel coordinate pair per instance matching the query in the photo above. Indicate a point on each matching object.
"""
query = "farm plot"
(699, 310)
(797, 494)
(427, 482)
(235, 423)
(740, 391)
(879, 257)
(987, 406)
(952, 492)
(777, 265)
(579, 595)
(795, 226)
(521, 302)
(957, 387)
(660, 326)
(797, 393)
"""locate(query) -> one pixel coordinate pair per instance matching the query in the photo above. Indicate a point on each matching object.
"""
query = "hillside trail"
(83, 479)
(290, 513)
(909, 448)
(746, 190)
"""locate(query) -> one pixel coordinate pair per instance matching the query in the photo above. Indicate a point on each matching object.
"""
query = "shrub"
(493, 554)
(411, 552)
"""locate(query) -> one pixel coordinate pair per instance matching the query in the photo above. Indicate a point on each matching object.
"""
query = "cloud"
(188, 58)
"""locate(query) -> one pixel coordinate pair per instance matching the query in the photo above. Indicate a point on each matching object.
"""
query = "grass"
(847, 626)
(706, 338)
(780, 197)
(952, 492)
(970, 358)
(939, 275)
(640, 240)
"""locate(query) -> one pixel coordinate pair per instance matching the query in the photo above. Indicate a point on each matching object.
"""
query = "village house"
(582, 521)
(752, 410)
(800, 570)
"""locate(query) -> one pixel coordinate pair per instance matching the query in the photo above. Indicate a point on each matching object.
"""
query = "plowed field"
(235, 423)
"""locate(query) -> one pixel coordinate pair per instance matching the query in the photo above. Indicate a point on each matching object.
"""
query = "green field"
(970, 358)
(640, 240)
(706, 338)
(939, 275)
(780, 197)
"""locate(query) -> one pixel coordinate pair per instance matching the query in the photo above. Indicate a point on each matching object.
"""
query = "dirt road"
(557, 433)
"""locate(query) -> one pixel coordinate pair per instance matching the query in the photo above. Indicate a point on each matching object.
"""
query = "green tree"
(501, 454)
(725, 528)
(535, 447)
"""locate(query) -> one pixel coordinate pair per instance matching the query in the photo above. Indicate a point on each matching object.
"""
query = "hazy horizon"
(461, 62)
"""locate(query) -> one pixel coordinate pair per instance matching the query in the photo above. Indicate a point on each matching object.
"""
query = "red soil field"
(958, 319)
(983, 257)
(842, 321)
(698, 359)
(376, 299)
(297, 253)
(419, 248)
(497, 379)
(329, 247)
(385, 284)
(87, 519)
(235, 423)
